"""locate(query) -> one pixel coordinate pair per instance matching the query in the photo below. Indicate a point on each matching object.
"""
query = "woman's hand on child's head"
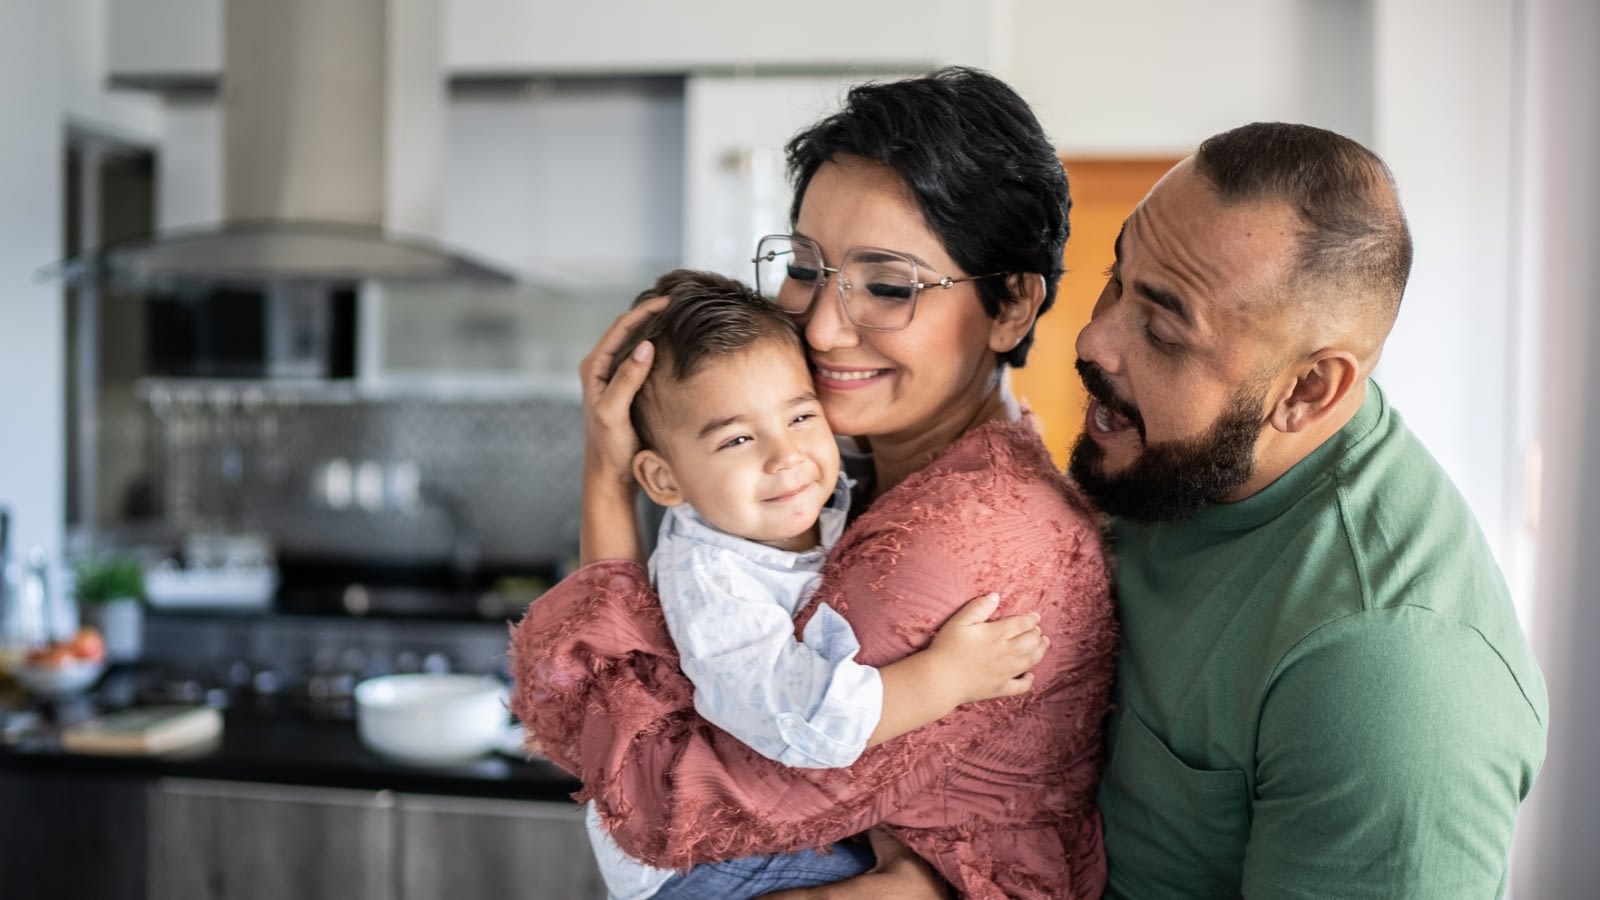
(609, 439)
(981, 659)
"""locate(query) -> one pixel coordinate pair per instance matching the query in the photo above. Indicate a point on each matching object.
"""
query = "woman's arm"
(680, 791)
(609, 527)
(598, 687)
(808, 702)
(597, 677)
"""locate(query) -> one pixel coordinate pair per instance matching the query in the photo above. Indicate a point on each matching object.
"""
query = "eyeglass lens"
(879, 288)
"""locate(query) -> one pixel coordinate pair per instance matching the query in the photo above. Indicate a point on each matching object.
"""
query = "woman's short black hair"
(986, 178)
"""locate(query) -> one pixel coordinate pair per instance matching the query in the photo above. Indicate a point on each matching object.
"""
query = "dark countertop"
(287, 747)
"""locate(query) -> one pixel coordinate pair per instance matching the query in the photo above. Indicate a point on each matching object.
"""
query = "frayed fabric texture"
(998, 795)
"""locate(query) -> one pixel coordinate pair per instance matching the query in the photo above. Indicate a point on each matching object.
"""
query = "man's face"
(1170, 480)
(1178, 357)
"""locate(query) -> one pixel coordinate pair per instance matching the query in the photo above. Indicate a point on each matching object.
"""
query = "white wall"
(83, 48)
(1431, 92)
(580, 179)
(1155, 77)
(189, 166)
(1560, 828)
(634, 36)
(1450, 364)
(52, 70)
(31, 376)
(735, 187)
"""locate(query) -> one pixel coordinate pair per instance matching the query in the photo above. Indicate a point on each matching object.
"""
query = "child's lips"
(789, 494)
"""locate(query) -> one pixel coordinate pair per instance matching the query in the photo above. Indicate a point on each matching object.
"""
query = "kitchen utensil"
(432, 719)
(58, 680)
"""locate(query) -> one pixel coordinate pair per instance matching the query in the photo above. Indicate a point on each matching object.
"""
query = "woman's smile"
(835, 379)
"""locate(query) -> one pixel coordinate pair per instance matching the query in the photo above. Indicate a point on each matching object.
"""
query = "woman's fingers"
(609, 439)
(617, 396)
(597, 364)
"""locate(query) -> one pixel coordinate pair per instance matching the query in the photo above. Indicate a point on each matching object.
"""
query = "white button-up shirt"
(730, 604)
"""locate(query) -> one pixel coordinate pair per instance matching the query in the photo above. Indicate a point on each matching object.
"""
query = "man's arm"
(1394, 749)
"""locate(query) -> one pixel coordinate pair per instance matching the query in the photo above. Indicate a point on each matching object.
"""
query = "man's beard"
(1172, 480)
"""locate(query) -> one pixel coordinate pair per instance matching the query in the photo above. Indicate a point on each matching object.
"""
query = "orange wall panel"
(1104, 192)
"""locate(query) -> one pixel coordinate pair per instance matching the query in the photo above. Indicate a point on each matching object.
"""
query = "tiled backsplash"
(333, 474)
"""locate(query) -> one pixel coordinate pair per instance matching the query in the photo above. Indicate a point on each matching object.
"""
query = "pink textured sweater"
(998, 795)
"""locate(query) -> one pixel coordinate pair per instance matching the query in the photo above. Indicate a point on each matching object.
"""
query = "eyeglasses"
(877, 288)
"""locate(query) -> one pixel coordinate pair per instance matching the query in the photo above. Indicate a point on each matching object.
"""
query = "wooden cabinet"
(475, 849)
(213, 840)
(220, 840)
(71, 835)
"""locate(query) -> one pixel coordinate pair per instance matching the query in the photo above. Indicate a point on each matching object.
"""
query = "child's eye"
(803, 417)
(734, 442)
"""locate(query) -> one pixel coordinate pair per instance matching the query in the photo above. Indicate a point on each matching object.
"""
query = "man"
(1323, 688)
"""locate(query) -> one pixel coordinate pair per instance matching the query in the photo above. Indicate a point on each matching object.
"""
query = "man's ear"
(1018, 315)
(1321, 384)
(654, 474)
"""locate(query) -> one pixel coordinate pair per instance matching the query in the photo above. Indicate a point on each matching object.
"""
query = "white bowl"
(61, 680)
(432, 719)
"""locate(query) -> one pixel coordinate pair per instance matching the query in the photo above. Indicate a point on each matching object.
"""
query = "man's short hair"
(1356, 244)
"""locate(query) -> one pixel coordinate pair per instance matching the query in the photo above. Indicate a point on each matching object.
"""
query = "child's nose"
(785, 455)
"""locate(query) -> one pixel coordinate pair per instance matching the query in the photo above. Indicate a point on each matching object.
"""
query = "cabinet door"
(213, 840)
(471, 849)
(71, 835)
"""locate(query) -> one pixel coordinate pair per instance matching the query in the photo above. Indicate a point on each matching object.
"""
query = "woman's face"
(939, 369)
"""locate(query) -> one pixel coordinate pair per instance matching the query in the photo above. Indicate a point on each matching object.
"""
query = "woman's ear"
(1318, 389)
(654, 474)
(1008, 328)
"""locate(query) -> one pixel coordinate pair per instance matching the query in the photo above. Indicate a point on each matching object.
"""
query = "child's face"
(744, 442)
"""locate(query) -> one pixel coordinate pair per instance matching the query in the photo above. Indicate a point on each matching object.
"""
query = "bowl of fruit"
(63, 668)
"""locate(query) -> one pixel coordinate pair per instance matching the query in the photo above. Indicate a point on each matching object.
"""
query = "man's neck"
(1277, 452)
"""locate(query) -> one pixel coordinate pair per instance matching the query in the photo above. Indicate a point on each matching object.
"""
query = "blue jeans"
(752, 876)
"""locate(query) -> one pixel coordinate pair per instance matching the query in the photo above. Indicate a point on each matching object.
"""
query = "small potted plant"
(110, 594)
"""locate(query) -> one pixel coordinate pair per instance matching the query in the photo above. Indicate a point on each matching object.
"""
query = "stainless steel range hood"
(333, 146)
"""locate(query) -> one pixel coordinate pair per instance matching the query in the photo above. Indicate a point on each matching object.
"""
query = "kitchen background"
(584, 147)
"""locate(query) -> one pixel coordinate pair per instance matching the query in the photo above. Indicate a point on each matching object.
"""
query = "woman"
(929, 220)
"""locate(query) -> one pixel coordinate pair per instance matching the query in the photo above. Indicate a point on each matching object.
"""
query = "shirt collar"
(684, 522)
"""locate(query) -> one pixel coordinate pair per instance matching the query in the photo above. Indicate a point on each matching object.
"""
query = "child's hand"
(970, 659)
(976, 659)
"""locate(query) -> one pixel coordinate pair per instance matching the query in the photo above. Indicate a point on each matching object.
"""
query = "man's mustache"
(1099, 387)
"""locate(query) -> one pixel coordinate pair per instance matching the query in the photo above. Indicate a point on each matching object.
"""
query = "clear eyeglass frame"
(879, 311)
